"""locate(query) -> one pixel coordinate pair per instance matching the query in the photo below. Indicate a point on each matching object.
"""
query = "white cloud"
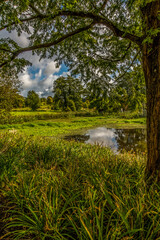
(49, 80)
(26, 80)
(43, 87)
(21, 40)
(103, 136)
(47, 66)
(40, 76)
(51, 68)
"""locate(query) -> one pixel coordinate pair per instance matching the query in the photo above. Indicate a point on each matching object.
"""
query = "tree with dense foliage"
(67, 93)
(97, 93)
(134, 91)
(49, 100)
(19, 101)
(9, 90)
(94, 38)
(43, 101)
(33, 100)
(126, 94)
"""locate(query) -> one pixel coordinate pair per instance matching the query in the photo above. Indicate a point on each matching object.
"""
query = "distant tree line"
(71, 94)
(129, 94)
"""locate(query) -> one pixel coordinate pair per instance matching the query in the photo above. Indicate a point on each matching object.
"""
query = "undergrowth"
(11, 119)
(53, 189)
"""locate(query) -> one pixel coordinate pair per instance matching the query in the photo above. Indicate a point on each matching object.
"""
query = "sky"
(41, 75)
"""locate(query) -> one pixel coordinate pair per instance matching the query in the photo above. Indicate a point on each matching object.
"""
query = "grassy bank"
(63, 190)
(54, 189)
(28, 116)
(16, 117)
(60, 125)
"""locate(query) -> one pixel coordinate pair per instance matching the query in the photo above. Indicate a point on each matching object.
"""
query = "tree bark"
(151, 67)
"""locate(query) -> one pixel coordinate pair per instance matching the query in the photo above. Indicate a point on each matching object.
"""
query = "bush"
(130, 115)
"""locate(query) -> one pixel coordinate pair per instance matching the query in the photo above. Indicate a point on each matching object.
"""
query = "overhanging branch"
(36, 10)
(20, 21)
(117, 59)
(123, 74)
(47, 45)
(5, 50)
(103, 5)
(89, 15)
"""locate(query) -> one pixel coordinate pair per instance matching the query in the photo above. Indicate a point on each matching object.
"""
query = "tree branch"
(101, 8)
(115, 60)
(128, 67)
(21, 20)
(5, 50)
(103, 5)
(97, 18)
(36, 10)
(101, 20)
(121, 33)
(47, 45)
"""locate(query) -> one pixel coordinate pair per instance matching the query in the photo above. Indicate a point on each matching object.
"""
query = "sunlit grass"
(60, 126)
(54, 189)
(65, 190)
(29, 112)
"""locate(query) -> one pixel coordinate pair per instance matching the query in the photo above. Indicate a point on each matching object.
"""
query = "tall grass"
(11, 119)
(65, 190)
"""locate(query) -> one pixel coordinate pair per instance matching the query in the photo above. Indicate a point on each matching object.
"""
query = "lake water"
(116, 139)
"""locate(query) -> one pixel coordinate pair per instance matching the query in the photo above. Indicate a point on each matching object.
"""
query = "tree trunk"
(151, 67)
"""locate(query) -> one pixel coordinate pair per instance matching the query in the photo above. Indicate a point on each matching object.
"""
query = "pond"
(117, 139)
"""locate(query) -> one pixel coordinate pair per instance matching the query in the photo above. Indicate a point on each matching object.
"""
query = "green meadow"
(57, 124)
(55, 189)
(31, 113)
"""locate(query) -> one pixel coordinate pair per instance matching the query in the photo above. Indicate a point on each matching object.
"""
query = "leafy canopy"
(9, 89)
(91, 37)
(33, 100)
(67, 93)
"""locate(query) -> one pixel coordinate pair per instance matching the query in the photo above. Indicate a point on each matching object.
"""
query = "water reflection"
(116, 139)
(77, 137)
(102, 136)
(131, 139)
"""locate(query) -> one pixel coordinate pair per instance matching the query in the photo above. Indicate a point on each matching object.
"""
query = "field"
(58, 124)
(54, 189)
